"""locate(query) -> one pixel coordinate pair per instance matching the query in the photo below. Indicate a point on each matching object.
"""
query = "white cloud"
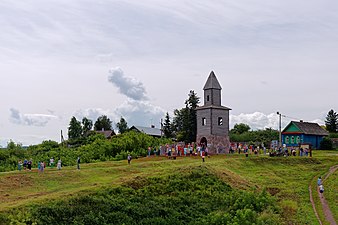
(141, 113)
(93, 114)
(39, 120)
(257, 120)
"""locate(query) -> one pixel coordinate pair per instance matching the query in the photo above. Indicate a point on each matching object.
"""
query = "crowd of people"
(275, 151)
(179, 149)
(41, 165)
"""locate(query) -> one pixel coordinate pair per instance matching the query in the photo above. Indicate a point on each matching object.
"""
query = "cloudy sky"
(139, 59)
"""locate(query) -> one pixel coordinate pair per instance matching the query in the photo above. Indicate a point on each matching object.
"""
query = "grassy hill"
(216, 191)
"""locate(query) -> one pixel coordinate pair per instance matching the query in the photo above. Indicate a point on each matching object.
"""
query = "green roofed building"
(301, 133)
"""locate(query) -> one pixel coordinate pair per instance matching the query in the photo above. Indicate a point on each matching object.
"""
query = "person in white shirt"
(321, 188)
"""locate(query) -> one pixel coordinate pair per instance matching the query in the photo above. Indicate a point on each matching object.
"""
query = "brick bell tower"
(213, 118)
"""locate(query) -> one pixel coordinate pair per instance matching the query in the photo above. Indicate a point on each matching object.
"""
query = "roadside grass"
(331, 193)
(285, 178)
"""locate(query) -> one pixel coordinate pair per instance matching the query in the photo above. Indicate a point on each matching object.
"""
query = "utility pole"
(161, 127)
(280, 130)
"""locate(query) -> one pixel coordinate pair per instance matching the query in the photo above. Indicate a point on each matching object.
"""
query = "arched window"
(292, 140)
(287, 139)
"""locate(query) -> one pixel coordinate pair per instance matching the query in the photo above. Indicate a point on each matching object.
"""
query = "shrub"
(326, 144)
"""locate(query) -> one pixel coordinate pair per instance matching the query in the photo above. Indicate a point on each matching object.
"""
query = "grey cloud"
(39, 120)
(127, 86)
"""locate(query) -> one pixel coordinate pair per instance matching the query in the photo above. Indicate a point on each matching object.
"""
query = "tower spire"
(212, 82)
(212, 91)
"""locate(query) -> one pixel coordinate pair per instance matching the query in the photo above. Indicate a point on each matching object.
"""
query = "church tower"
(213, 118)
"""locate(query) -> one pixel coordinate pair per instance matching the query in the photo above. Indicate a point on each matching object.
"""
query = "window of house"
(220, 121)
(204, 121)
(208, 98)
(292, 140)
(287, 140)
(298, 140)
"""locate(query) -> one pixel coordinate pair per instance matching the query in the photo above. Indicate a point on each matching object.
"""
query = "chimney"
(301, 121)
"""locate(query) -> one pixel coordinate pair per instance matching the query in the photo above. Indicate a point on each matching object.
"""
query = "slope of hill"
(228, 188)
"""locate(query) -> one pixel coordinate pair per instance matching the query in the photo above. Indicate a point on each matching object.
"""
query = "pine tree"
(167, 127)
(331, 121)
(192, 104)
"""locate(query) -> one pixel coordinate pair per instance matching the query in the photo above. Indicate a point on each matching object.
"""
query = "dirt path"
(326, 209)
(313, 205)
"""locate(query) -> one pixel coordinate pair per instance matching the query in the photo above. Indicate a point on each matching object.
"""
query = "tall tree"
(74, 129)
(87, 125)
(331, 121)
(103, 123)
(167, 127)
(192, 103)
(185, 119)
(122, 126)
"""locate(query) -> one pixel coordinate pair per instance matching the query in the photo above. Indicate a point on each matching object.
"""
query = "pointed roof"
(305, 128)
(212, 82)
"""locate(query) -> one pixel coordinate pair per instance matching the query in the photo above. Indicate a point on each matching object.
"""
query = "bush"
(91, 149)
(326, 144)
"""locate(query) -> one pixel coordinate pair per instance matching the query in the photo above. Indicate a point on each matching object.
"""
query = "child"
(319, 181)
(321, 189)
(129, 159)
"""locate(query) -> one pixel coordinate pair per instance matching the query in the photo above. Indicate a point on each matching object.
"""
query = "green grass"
(331, 193)
(285, 178)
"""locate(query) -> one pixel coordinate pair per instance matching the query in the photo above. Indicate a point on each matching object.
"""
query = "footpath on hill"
(326, 209)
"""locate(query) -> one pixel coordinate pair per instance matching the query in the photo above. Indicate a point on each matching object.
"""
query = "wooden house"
(300, 133)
